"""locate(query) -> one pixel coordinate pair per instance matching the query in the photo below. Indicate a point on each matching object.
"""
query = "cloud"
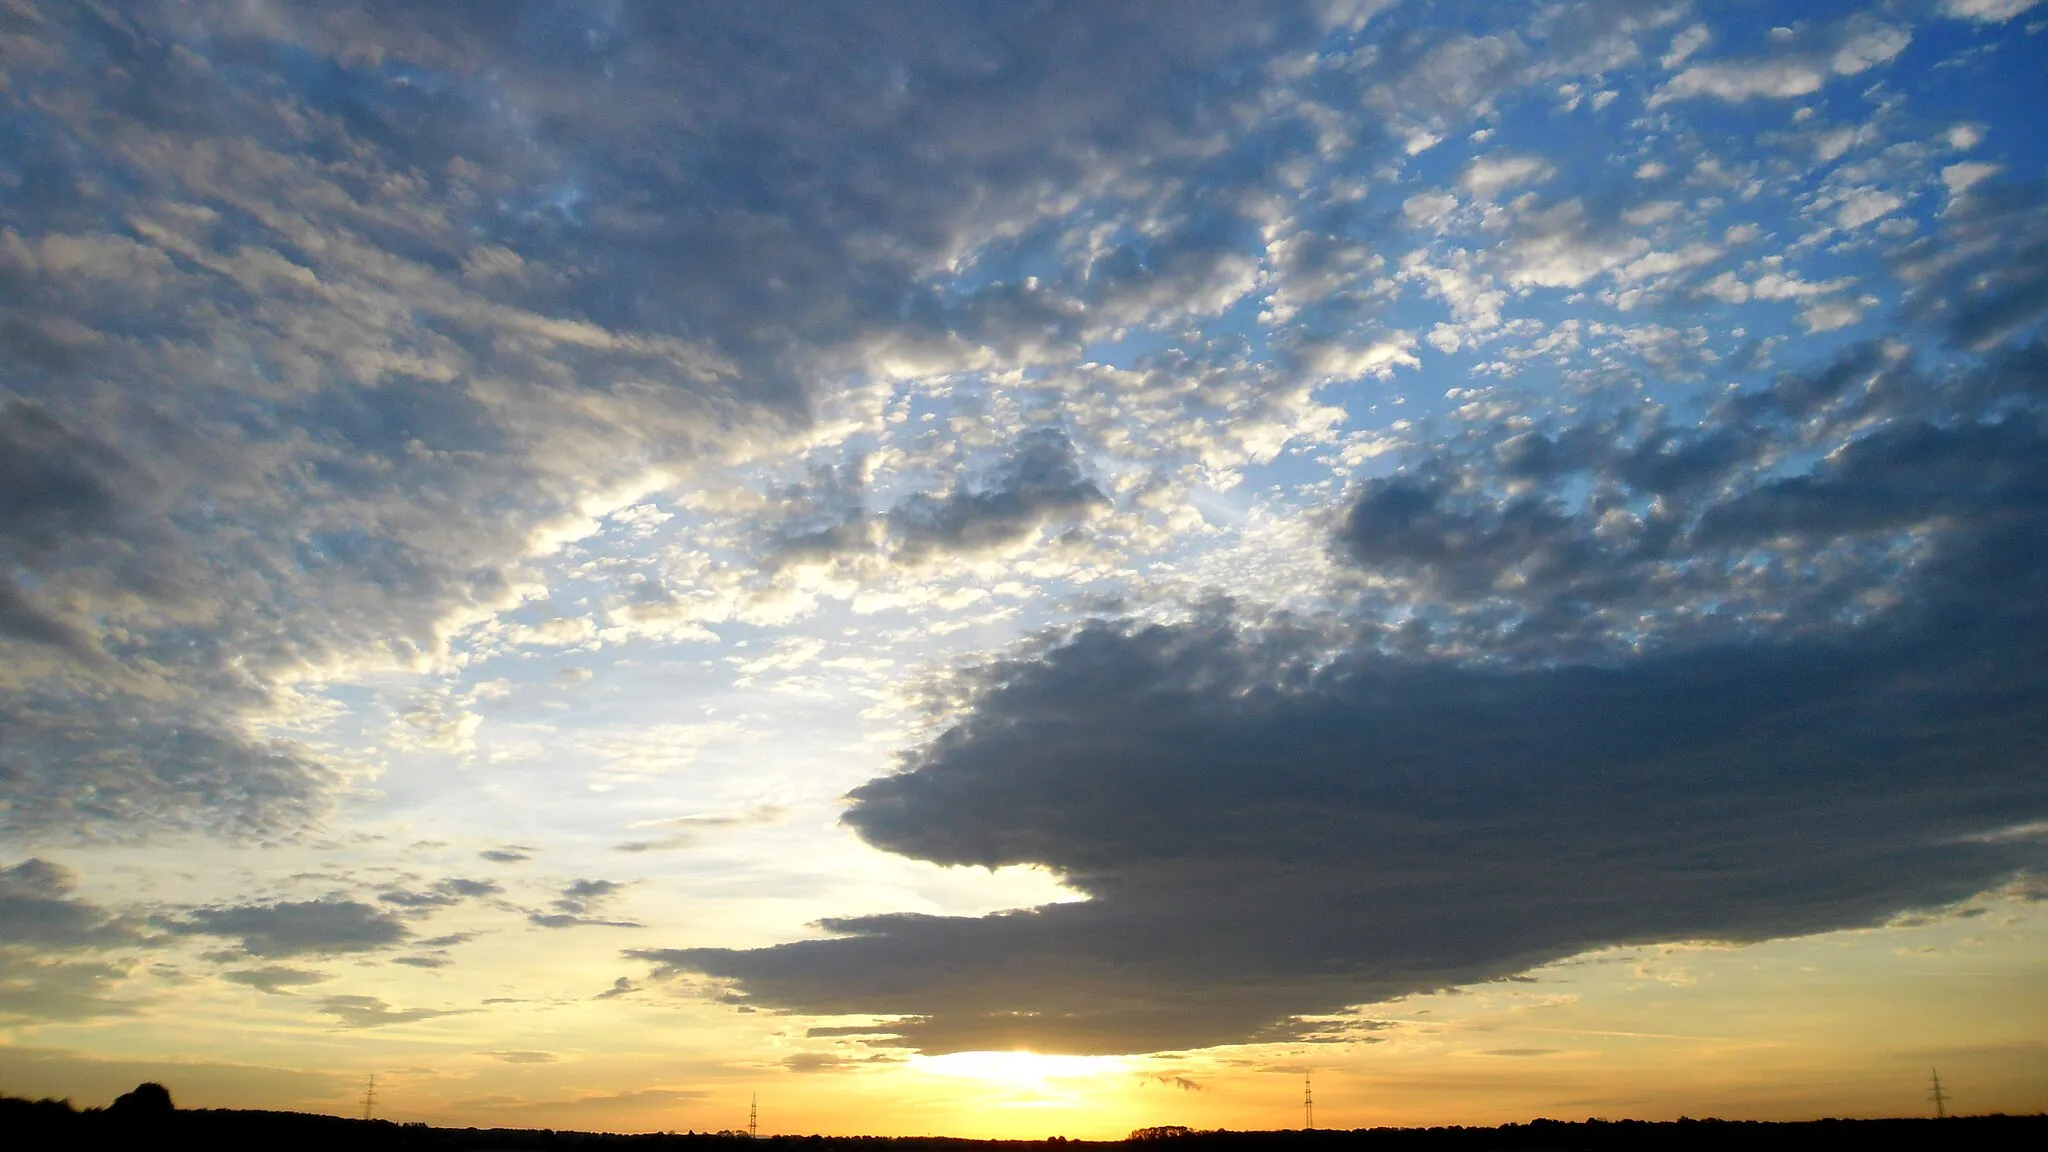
(835, 1062)
(311, 927)
(522, 1056)
(1565, 245)
(36, 989)
(42, 929)
(303, 375)
(578, 904)
(448, 941)
(274, 979)
(1711, 700)
(71, 774)
(1866, 205)
(370, 1012)
(310, 372)
(1256, 853)
(1377, 359)
(584, 895)
(1487, 176)
(1039, 481)
(442, 894)
(653, 1105)
(1683, 45)
(1985, 11)
(688, 828)
(1847, 49)
(1983, 279)
(38, 911)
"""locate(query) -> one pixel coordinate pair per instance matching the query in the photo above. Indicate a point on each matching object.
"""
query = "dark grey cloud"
(1709, 696)
(1983, 277)
(512, 854)
(823, 518)
(585, 895)
(38, 911)
(441, 893)
(302, 928)
(43, 931)
(579, 906)
(68, 772)
(38, 989)
(1263, 841)
(448, 941)
(835, 1061)
(1560, 540)
(1040, 480)
(274, 978)
(370, 1012)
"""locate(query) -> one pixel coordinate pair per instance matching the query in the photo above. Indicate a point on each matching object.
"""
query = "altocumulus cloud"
(1040, 481)
(1651, 687)
(300, 373)
(297, 928)
(48, 942)
(319, 322)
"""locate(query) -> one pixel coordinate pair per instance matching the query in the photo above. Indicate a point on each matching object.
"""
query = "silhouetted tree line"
(147, 1118)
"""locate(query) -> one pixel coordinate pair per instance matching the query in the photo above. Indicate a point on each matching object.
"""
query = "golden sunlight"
(1029, 1078)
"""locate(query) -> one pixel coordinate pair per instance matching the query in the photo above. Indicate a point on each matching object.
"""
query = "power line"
(1308, 1104)
(370, 1096)
(1939, 1097)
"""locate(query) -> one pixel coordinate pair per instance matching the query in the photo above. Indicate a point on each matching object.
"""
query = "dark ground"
(139, 1120)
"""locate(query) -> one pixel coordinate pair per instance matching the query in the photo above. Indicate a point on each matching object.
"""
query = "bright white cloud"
(1685, 44)
(1829, 315)
(1487, 176)
(1960, 178)
(1986, 11)
(1866, 205)
(1786, 76)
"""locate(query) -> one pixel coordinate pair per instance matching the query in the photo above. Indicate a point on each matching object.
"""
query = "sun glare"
(1025, 1071)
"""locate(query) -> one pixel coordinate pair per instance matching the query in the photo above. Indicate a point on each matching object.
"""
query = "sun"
(1026, 1072)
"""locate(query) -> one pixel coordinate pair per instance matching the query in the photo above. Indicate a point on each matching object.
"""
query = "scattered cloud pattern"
(1325, 500)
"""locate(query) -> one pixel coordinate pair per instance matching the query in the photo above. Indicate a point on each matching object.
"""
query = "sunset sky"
(1025, 568)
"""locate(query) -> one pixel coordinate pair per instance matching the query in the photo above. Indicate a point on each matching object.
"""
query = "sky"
(1025, 568)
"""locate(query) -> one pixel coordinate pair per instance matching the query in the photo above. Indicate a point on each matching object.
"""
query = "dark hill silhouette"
(55, 1123)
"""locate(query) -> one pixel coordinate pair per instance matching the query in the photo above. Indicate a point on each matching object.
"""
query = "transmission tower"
(754, 1116)
(1308, 1104)
(370, 1096)
(1939, 1097)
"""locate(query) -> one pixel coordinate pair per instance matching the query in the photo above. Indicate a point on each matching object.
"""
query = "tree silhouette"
(149, 1100)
